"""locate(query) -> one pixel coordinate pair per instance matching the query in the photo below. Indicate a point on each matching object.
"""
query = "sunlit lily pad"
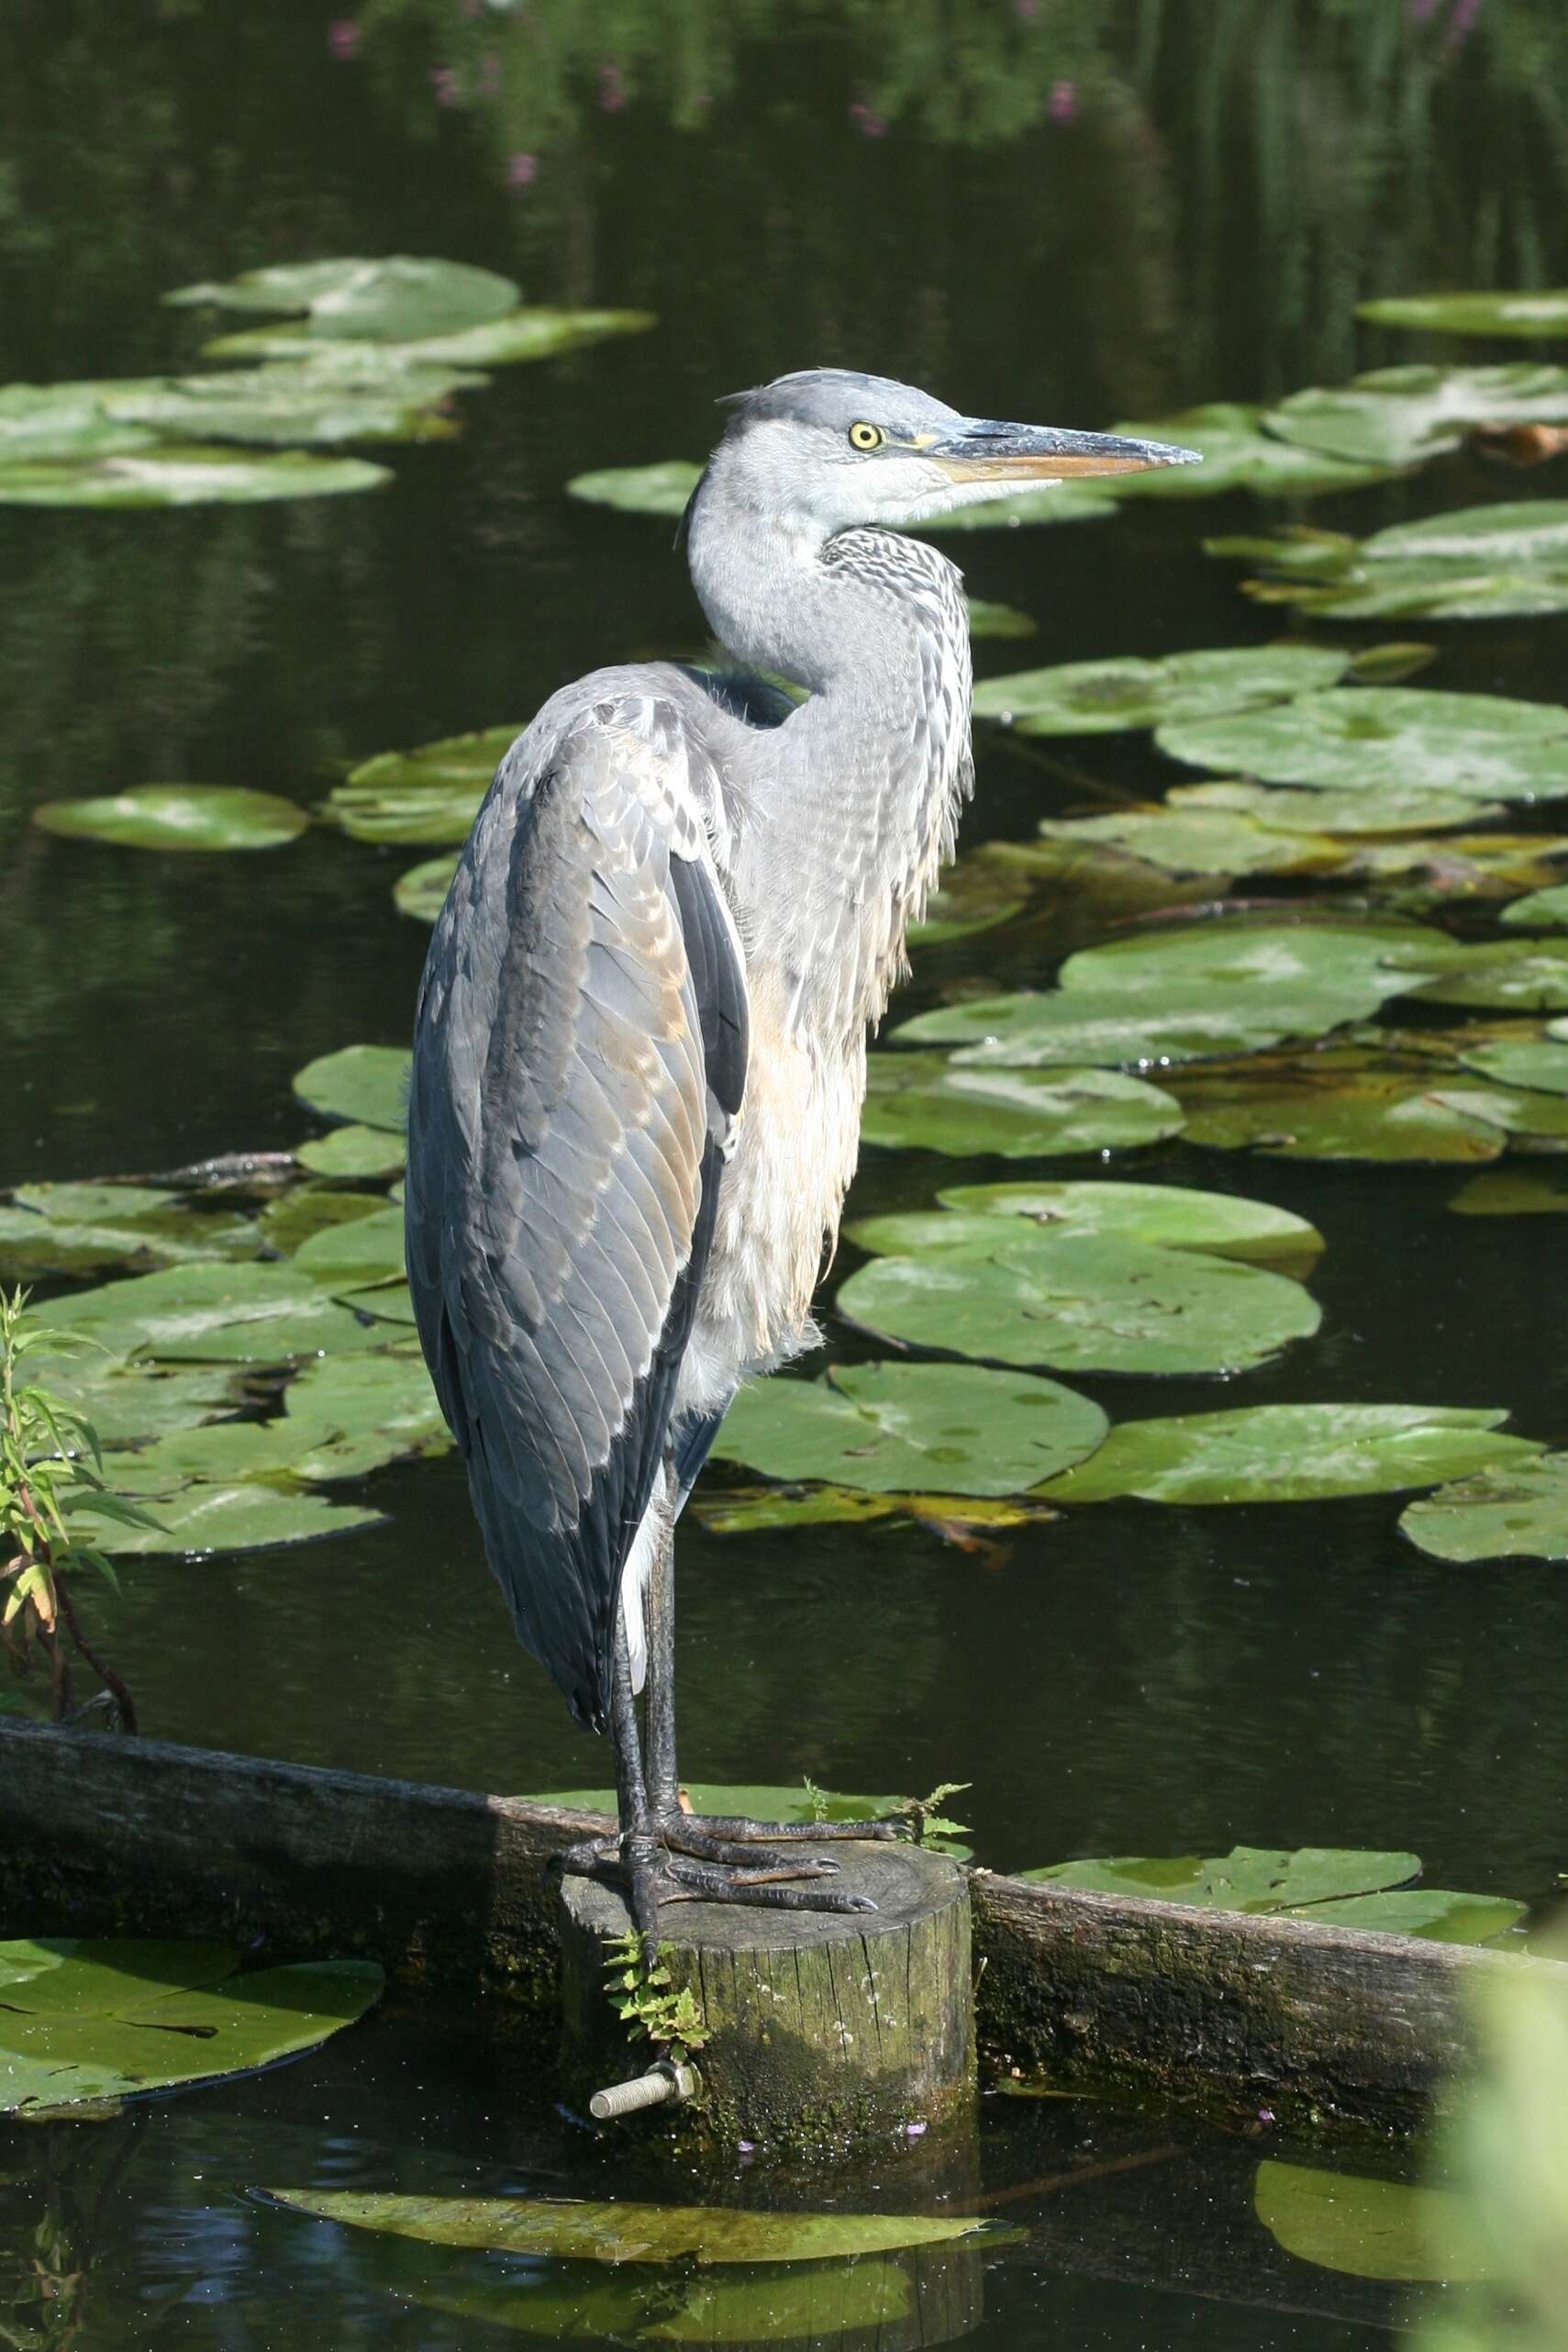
(430, 794)
(1107, 697)
(1238, 455)
(421, 893)
(307, 1208)
(1273, 950)
(515, 336)
(1080, 1302)
(1366, 2228)
(1517, 1513)
(361, 1411)
(1054, 501)
(353, 1256)
(1539, 1063)
(1178, 1020)
(751, 1510)
(1438, 1915)
(168, 475)
(64, 421)
(1204, 840)
(1400, 416)
(364, 1084)
(354, 1152)
(1291, 1454)
(394, 298)
(178, 816)
(256, 1313)
(660, 489)
(1343, 1103)
(127, 1404)
(288, 403)
(86, 1227)
(913, 1427)
(1537, 1191)
(791, 1801)
(1541, 911)
(1475, 563)
(1250, 1877)
(1526, 314)
(987, 620)
(207, 1516)
(1356, 737)
(625, 2232)
(1369, 810)
(924, 1102)
(85, 2022)
(1173, 1216)
(862, 2296)
(1527, 975)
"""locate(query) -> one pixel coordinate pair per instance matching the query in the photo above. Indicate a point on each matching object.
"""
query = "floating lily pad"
(1173, 1216)
(1108, 697)
(256, 1313)
(1517, 1513)
(1083, 1303)
(358, 1411)
(1539, 1063)
(1476, 563)
(288, 403)
(1238, 455)
(1291, 1454)
(365, 1085)
(85, 2022)
(517, 336)
(87, 1228)
(624, 2232)
(1178, 1020)
(394, 298)
(1526, 314)
(1054, 502)
(1250, 1877)
(307, 1208)
(1204, 840)
(178, 816)
(1401, 416)
(127, 1404)
(793, 1801)
(210, 1517)
(1275, 950)
(923, 1102)
(168, 475)
(1437, 1914)
(64, 421)
(356, 1254)
(987, 620)
(1541, 911)
(1515, 1192)
(422, 891)
(862, 2296)
(1372, 810)
(355, 1152)
(430, 794)
(1357, 737)
(1529, 975)
(749, 1511)
(1366, 2228)
(661, 489)
(975, 895)
(1342, 1103)
(915, 1427)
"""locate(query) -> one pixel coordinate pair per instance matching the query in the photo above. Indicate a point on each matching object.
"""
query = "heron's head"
(828, 448)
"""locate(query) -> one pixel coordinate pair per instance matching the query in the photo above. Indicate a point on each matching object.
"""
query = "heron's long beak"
(984, 450)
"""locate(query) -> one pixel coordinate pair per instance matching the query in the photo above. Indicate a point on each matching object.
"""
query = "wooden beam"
(1320, 2026)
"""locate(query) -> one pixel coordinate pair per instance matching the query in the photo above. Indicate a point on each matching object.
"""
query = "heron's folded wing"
(580, 1050)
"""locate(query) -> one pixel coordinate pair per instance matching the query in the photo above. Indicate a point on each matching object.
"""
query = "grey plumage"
(640, 1045)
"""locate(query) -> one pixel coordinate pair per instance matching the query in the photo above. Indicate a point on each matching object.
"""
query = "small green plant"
(922, 1817)
(44, 1469)
(646, 2001)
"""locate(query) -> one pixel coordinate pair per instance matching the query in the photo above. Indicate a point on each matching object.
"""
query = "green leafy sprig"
(645, 2000)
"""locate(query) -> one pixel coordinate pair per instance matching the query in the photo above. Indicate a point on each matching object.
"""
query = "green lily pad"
(1291, 1454)
(358, 1411)
(355, 1254)
(515, 337)
(1250, 1877)
(1529, 975)
(1526, 314)
(421, 893)
(178, 816)
(1342, 1103)
(1182, 1021)
(393, 299)
(1435, 1913)
(364, 1085)
(751, 1510)
(1520, 1512)
(206, 1517)
(1054, 502)
(1238, 455)
(87, 1228)
(1383, 808)
(924, 1102)
(1401, 416)
(1530, 1117)
(179, 2018)
(987, 620)
(1173, 1216)
(253, 1313)
(624, 2232)
(975, 895)
(65, 421)
(915, 1427)
(1108, 697)
(127, 1404)
(1541, 911)
(169, 475)
(661, 489)
(761, 2303)
(288, 403)
(1204, 840)
(430, 794)
(1082, 1303)
(1538, 1191)
(793, 1801)
(1273, 950)
(1475, 563)
(308, 1209)
(1539, 1063)
(1365, 2228)
(1359, 737)
(354, 1152)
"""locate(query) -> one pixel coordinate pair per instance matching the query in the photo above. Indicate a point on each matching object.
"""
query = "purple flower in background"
(1462, 24)
(343, 39)
(612, 89)
(1064, 102)
(522, 170)
(444, 83)
(866, 120)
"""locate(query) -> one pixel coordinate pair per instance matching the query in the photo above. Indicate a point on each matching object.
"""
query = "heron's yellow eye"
(864, 436)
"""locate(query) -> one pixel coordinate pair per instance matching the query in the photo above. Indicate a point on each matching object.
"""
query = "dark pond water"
(1069, 212)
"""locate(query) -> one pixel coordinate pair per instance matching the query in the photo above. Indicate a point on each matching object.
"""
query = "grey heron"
(640, 1042)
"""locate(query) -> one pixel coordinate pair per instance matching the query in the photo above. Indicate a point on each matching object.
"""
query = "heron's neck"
(856, 799)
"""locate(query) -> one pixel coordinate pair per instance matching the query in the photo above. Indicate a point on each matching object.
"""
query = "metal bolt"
(662, 2085)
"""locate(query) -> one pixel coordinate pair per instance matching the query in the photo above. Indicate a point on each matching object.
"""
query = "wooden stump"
(821, 2029)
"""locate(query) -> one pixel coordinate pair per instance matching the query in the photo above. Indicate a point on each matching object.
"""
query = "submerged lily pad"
(1366, 2228)
(421, 893)
(83, 2020)
(1526, 314)
(1238, 455)
(661, 489)
(1401, 416)
(922, 1101)
(624, 2232)
(1520, 1512)
(85, 1228)
(366, 1086)
(1538, 1191)
(168, 475)
(915, 1427)
(1173, 1216)
(178, 816)
(1082, 1303)
(1291, 1454)
(1343, 1103)
(1354, 738)
(393, 299)
(1108, 697)
(857, 2296)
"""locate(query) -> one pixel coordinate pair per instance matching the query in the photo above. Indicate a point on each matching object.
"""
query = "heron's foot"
(705, 1869)
(739, 1830)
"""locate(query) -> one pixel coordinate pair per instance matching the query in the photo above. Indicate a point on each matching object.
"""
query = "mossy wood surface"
(1329, 2027)
(819, 2027)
